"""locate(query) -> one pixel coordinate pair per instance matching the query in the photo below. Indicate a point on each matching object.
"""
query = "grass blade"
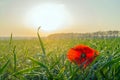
(10, 42)
(35, 61)
(41, 43)
(55, 63)
(24, 71)
(4, 66)
(44, 66)
(110, 62)
(14, 58)
(60, 73)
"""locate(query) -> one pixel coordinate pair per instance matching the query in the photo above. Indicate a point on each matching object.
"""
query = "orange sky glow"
(23, 17)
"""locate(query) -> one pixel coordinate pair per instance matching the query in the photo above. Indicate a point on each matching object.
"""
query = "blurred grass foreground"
(45, 59)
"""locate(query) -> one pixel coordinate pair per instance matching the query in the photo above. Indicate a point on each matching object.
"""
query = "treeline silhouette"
(98, 34)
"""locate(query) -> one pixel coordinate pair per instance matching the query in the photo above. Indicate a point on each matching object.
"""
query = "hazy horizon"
(23, 17)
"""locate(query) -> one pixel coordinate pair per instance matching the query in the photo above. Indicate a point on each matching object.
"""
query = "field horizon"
(96, 33)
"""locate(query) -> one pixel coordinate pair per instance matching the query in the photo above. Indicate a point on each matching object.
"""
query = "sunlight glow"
(50, 16)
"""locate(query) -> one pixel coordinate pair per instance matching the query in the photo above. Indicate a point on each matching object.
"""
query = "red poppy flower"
(82, 55)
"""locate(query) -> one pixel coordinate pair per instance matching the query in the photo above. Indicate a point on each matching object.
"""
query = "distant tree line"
(99, 34)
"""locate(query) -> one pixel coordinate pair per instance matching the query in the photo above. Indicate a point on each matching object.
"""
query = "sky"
(78, 16)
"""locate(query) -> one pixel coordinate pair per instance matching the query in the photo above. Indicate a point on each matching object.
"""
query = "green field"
(32, 60)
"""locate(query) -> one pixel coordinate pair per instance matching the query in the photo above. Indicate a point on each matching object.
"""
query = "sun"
(48, 15)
